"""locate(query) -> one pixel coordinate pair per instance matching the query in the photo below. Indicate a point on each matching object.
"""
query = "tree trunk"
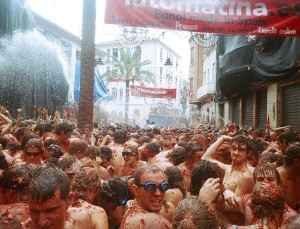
(86, 100)
(127, 100)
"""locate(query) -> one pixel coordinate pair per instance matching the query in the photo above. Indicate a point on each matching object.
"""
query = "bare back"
(86, 216)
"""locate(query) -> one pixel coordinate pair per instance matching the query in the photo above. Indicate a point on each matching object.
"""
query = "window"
(121, 93)
(192, 55)
(204, 78)
(213, 71)
(108, 54)
(114, 94)
(161, 55)
(208, 75)
(115, 52)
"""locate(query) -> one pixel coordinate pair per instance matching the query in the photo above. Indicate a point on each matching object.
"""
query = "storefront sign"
(152, 92)
(236, 17)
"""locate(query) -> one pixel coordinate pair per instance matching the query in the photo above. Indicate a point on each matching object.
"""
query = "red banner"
(150, 92)
(236, 17)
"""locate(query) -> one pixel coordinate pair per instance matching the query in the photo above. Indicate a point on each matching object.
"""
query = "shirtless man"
(238, 178)
(34, 151)
(149, 190)
(117, 149)
(290, 176)
(48, 194)
(13, 192)
(82, 213)
(131, 162)
(194, 152)
(63, 132)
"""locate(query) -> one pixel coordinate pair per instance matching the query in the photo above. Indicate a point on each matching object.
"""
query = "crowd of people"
(54, 175)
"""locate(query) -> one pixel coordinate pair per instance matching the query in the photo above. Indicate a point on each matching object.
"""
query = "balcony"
(206, 91)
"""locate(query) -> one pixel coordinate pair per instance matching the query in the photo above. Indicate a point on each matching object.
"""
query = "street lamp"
(99, 61)
(168, 62)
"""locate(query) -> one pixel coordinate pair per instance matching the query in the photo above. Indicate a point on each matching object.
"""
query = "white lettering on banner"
(267, 31)
(223, 7)
(186, 27)
(287, 31)
(155, 91)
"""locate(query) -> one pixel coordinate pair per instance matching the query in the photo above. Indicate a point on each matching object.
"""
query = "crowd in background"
(54, 175)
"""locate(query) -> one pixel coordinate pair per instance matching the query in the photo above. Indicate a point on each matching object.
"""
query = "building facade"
(165, 66)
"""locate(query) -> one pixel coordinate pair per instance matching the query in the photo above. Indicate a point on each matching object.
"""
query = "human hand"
(231, 198)
(111, 170)
(97, 162)
(92, 139)
(19, 111)
(45, 111)
(210, 190)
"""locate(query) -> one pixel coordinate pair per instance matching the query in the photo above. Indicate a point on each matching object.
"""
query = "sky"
(68, 15)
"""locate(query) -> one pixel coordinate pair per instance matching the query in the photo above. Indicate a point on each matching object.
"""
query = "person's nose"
(157, 192)
(43, 220)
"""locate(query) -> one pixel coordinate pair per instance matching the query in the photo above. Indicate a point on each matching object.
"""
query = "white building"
(166, 76)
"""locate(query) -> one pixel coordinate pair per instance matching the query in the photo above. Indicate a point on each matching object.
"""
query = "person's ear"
(135, 190)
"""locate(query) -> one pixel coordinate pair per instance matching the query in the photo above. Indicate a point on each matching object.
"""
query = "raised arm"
(6, 129)
(208, 155)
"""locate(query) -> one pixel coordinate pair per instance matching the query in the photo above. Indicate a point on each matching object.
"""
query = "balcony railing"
(206, 89)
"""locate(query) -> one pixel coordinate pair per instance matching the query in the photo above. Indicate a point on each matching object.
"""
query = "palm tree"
(86, 101)
(129, 67)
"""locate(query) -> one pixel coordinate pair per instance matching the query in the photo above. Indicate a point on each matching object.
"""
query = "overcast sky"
(68, 15)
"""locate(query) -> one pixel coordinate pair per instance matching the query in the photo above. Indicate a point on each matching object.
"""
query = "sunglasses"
(127, 154)
(35, 154)
(150, 186)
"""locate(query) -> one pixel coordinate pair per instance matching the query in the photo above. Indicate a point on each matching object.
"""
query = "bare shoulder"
(147, 220)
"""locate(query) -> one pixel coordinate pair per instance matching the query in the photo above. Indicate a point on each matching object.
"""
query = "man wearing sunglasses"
(149, 190)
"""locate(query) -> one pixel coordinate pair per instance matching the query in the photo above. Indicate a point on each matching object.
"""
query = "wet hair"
(105, 152)
(93, 151)
(241, 139)
(56, 151)
(175, 179)
(133, 148)
(17, 177)
(20, 132)
(86, 178)
(145, 169)
(144, 139)
(49, 127)
(7, 222)
(49, 141)
(177, 155)
(77, 145)
(13, 147)
(194, 213)
(266, 201)
(292, 153)
(276, 158)
(63, 127)
(262, 169)
(26, 138)
(287, 137)
(294, 222)
(3, 162)
(35, 143)
(46, 180)
(41, 128)
(114, 189)
(120, 137)
(69, 162)
(201, 172)
(190, 150)
(153, 148)
(3, 142)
